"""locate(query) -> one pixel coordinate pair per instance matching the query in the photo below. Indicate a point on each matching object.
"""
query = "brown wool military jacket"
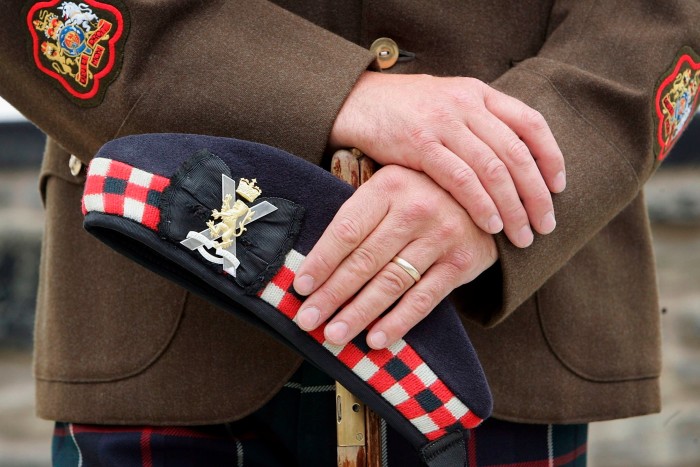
(567, 329)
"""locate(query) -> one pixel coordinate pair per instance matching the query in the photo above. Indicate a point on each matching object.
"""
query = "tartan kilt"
(297, 428)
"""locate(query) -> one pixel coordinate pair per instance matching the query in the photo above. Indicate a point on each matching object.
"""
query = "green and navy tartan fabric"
(297, 428)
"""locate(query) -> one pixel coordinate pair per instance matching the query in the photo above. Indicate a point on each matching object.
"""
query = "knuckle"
(433, 154)
(391, 179)
(415, 212)
(541, 197)
(360, 315)
(480, 92)
(519, 153)
(421, 138)
(475, 83)
(461, 259)
(515, 212)
(362, 262)
(422, 303)
(429, 149)
(447, 229)
(465, 98)
(533, 119)
(321, 263)
(331, 295)
(391, 283)
(420, 208)
(464, 179)
(348, 231)
(495, 170)
(404, 323)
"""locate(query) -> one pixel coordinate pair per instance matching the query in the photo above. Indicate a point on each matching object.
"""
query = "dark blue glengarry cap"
(232, 221)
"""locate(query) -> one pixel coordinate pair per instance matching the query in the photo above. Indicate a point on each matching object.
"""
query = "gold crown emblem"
(248, 190)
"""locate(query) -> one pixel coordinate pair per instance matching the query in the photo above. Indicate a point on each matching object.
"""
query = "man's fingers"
(533, 129)
(459, 179)
(413, 307)
(385, 288)
(364, 264)
(421, 223)
(350, 226)
(459, 266)
(524, 173)
(494, 176)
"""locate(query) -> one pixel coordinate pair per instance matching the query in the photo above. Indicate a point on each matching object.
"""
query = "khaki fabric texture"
(567, 330)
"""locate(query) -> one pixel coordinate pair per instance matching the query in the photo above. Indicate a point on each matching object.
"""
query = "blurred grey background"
(671, 438)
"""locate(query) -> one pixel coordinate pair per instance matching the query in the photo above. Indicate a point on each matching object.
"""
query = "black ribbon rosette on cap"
(232, 221)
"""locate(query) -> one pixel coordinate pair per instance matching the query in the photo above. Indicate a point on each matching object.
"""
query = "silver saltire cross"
(201, 241)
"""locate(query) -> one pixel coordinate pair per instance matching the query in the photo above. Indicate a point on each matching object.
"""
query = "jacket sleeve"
(239, 68)
(603, 81)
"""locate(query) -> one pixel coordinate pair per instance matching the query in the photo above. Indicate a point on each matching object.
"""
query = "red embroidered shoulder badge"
(79, 45)
(676, 100)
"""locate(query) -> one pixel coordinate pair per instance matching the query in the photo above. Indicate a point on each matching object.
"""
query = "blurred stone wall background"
(24, 440)
(21, 220)
(671, 438)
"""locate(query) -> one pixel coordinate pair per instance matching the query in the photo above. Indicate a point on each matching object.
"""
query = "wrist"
(348, 127)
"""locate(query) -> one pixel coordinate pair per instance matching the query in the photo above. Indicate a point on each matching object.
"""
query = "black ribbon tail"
(448, 451)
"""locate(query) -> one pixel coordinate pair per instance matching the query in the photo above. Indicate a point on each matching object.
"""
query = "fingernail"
(377, 340)
(559, 182)
(304, 284)
(307, 318)
(336, 332)
(548, 223)
(525, 237)
(495, 224)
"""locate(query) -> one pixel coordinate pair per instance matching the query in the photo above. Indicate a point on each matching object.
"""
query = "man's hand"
(494, 154)
(398, 212)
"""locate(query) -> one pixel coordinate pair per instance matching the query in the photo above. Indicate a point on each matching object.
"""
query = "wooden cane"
(359, 428)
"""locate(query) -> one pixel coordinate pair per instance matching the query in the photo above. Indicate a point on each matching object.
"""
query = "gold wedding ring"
(406, 266)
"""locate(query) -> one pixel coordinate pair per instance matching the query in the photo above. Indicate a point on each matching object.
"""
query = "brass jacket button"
(386, 51)
(75, 165)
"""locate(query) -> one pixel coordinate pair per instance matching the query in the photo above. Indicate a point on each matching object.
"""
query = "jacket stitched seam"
(569, 366)
(176, 421)
(141, 367)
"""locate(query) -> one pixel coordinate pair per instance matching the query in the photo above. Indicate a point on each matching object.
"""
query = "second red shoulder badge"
(676, 100)
(78, 45)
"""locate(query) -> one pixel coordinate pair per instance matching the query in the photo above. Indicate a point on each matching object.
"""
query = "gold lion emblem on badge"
(233, 221)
